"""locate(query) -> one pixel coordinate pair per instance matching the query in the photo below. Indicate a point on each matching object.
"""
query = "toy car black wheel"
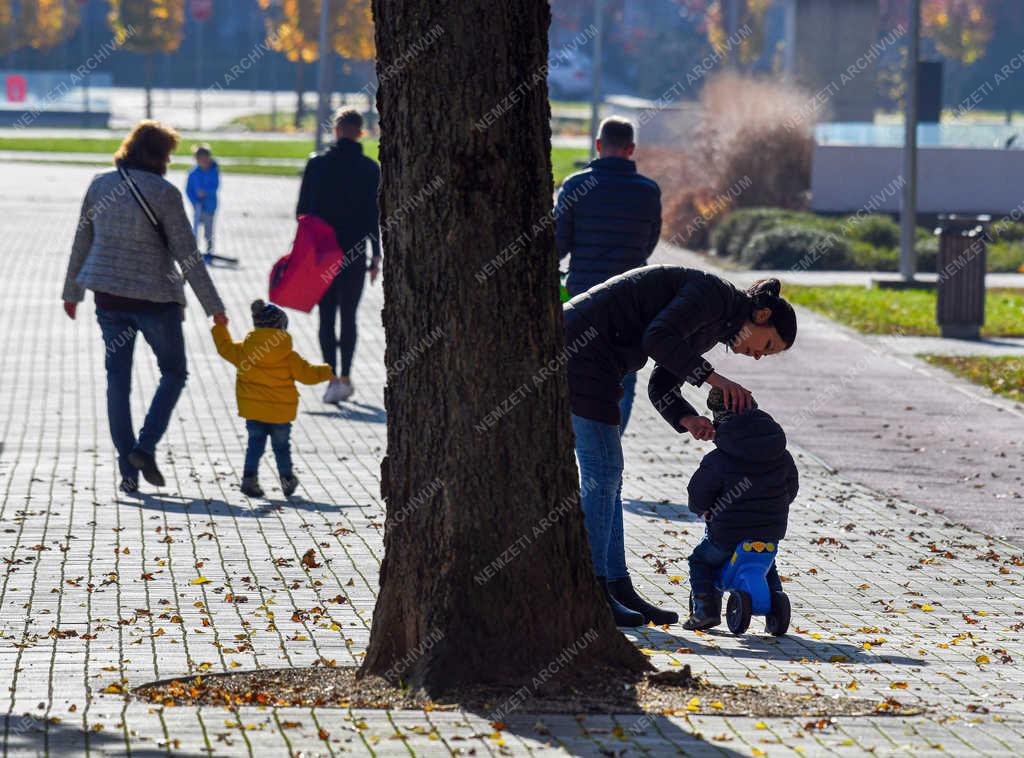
(777, 621)
(738, 611)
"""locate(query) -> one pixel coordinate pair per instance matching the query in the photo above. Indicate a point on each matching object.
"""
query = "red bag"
(300, 279)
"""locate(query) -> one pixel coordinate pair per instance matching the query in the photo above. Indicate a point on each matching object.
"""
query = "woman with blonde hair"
(134, 248)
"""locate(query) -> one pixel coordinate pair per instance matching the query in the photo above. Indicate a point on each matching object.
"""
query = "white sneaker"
(332, 394)
(345, 391)
(337, 392)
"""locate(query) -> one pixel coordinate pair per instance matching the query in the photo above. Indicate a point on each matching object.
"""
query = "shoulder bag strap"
(141, 200)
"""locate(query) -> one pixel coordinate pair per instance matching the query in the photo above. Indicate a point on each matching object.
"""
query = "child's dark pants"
(280, 441)
(706, 560)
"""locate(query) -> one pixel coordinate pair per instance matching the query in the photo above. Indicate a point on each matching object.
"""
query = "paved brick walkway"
(99, 592)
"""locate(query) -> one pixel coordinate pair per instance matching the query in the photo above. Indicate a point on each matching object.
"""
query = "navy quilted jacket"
(608, 220)
(745, 486)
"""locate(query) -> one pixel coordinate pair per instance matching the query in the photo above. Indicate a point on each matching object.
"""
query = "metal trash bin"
(961, 264)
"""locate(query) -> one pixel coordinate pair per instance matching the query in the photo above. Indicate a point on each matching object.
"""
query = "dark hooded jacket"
(340, 186)
(669, 313)
(747, 483)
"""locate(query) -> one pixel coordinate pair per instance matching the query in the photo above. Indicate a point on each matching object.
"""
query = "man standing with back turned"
(340, 186)
(608, 220)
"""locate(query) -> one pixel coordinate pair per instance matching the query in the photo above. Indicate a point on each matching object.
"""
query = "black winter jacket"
(747, 483)
(669, 313)
(340, 186)
(608, 219)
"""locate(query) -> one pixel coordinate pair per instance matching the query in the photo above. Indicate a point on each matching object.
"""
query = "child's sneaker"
(705, 613)
(129, 486)
(289, 484)
(251, 486)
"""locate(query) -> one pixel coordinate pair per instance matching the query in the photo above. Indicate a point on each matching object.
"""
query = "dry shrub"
(752, 148)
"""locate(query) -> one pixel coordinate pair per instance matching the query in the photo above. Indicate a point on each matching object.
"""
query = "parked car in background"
(569, 74)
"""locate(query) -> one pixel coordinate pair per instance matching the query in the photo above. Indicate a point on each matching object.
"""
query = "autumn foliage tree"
(295, 31)
(148, 27)
(39, 25)
(749, 31)
(960, 29)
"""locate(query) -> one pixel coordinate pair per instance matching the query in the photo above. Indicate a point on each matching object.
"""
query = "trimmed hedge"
(796, 247)
(772, 238)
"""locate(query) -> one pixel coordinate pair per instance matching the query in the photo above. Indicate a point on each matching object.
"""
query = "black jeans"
(343, 295)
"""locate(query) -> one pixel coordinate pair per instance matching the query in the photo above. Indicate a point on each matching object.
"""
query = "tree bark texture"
(486, 576)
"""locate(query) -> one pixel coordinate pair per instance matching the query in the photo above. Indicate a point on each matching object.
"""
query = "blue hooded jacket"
(207, 181)
(747, 483)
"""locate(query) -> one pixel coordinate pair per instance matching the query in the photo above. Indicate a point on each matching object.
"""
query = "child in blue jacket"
(743, 489)
(201, 189)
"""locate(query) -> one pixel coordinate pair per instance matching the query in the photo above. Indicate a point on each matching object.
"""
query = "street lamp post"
(595, 74)
(199, 76)
(908, 206)
(201, 12)
(323, 102)
(83, 28)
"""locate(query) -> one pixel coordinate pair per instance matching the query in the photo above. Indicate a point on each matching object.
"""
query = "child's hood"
(751, 436)
(263, 347)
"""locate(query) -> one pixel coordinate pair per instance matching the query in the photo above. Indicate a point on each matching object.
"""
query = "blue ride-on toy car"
(743, 577)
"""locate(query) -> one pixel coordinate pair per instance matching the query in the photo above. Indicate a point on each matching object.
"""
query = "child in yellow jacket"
(267, 399)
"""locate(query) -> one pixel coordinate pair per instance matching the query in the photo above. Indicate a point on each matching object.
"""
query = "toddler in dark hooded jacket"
(743, 490)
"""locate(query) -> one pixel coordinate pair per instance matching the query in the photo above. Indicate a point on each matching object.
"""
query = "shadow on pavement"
(666, 511)
(610, 734)
(31, 735)
(214, 507)
(765, 647)
(352, 411)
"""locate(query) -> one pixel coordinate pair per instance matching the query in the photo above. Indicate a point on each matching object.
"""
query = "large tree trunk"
(486, 574)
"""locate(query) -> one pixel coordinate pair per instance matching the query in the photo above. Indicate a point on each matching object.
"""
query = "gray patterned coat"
(117, 251)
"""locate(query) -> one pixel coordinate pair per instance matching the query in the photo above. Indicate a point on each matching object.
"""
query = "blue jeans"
(599, 452)
(708, 558)
(203, 219)
(280, 441)
(161, 328)
(626, 404)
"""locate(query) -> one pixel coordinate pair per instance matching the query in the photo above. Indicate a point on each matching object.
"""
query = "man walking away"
(340, 186)
(608, 220)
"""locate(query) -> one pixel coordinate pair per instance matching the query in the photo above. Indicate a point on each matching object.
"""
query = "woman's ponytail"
(765, 293)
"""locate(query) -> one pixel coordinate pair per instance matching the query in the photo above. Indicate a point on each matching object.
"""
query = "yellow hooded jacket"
(267, 371)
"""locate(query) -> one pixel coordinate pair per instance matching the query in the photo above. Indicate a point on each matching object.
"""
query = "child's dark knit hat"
(716, 404)
(268, 316)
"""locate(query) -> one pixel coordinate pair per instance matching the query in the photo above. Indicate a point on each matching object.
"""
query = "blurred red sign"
(17, 88)
(201, 9)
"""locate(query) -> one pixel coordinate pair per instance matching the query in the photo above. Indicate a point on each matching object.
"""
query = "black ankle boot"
(146, 463)
(622, 590)
(623, 615)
